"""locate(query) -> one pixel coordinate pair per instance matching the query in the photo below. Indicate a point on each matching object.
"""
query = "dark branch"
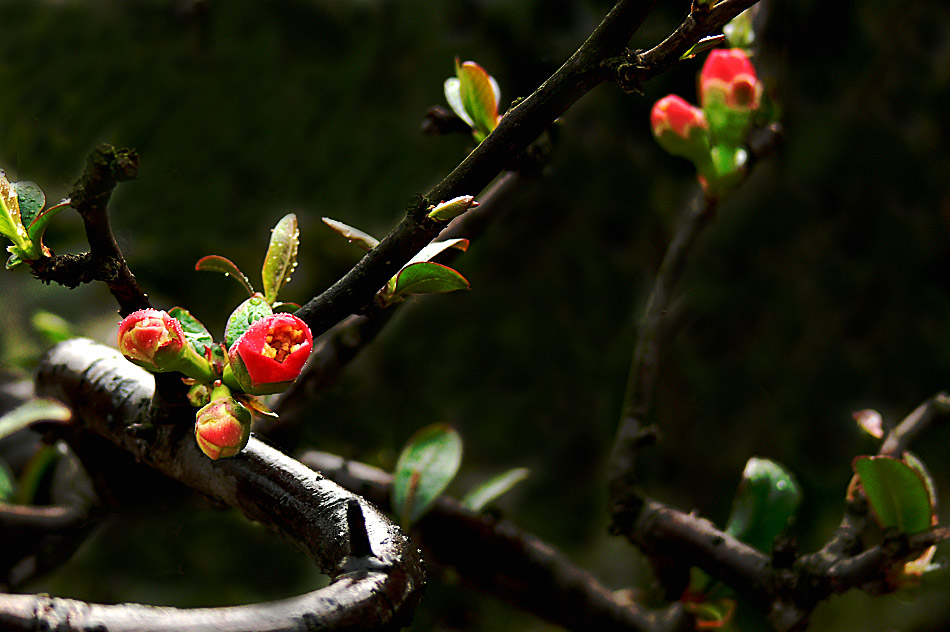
(497, 557)
(523, 123)
(379, 592)
(105, 168)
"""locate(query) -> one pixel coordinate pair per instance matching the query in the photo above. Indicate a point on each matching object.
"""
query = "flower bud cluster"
(712, 136)
(265, 359)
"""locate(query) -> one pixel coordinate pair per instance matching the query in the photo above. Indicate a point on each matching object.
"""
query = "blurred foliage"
(822, 288)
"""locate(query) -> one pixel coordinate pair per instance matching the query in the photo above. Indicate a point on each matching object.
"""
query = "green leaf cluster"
(23, 219)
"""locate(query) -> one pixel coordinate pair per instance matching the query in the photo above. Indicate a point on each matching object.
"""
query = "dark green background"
(822, 288)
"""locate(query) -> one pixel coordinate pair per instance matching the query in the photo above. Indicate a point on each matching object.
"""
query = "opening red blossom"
(150, 336)
(270, 354)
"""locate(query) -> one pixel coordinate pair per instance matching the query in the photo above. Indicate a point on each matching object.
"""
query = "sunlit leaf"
(196, 333)
(710, 41)
(765, 502)
(449, 210)
(427, 464)
(217, 263)
(30, 412)
(31, 200)
(480, 96)
(427, 278)
(492, 489)
(37, 228)
(896, 493)
(435, 248)
(354, 235)
(246, 314)
(281, 258)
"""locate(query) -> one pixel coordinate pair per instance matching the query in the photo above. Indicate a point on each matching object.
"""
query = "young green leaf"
(765, 502)
(425, 278)
(897, 494)
(246, 314)
(196, 334)
(31, 412)
(37, 228)
(31, 200)
(281, 258)
(480, 95)
(427, 464)
(353, 235)
(449, 210)
(481, 496)
(217, 263)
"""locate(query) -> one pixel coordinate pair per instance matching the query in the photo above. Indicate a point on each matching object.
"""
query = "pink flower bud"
(151, 339)
(222, 428)
(269, 356)
(680, 128)
(674, 114)
(728, 77)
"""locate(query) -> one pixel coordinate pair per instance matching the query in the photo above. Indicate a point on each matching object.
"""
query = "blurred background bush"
(822, 288)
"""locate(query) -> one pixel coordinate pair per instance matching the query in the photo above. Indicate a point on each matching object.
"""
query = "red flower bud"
(728, 77)
(269, 356)
(680, 128)
(155, 341)
(223, 427)
(151, 339)
(674, 114)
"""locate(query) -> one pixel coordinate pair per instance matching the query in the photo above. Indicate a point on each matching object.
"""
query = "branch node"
(356, 527)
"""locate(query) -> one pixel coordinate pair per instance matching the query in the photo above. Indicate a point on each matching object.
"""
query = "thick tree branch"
(497, 557)
(367, 592)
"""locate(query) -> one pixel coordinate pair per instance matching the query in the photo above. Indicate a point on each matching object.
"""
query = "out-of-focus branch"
(897, 440)
(524, 122)
(367, 592)
(105, 168)
(501, 559)
(631, 433)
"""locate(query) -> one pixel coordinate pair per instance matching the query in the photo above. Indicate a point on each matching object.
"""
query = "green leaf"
(426, 278)
(196, 333)
(480, 95)
(449, 210)
(281, 258)
(31, 200)
(30, 412)
(37, 475)
(896, 493)
(37, 228)
(217, 263)
(353, 235)
(7, 486)
(247, 313)
(710, 41)
(765, 502)
(427, 464)
(52, 327)
(492, 489)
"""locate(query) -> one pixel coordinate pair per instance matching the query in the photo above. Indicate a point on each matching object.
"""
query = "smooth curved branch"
(524, 122)
(367, 592)
(501, 559)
